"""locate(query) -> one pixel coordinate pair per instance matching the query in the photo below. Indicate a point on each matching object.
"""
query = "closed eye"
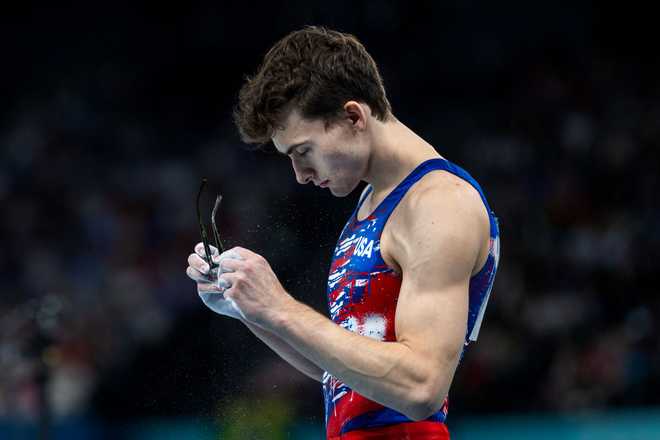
(302, 153)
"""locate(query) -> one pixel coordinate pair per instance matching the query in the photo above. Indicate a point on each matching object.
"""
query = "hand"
(209, 288)
(254, 288)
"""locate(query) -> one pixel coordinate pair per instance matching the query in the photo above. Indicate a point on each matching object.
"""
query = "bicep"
(432, 320)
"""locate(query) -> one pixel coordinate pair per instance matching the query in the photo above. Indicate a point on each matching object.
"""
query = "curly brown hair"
(315, 70)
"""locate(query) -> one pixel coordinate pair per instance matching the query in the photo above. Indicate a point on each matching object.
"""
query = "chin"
(337, 194)
(340, 192)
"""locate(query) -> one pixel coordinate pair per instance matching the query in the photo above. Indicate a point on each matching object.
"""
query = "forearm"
(286, 352)
(389, 373)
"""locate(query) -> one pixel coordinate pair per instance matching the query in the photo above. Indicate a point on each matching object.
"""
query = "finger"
(241, 252)
(223, 285)
(198, 263)
(231, 264)
(196, 275)
(203, 288)
(227, 280)
(199, 250)
(228, 276)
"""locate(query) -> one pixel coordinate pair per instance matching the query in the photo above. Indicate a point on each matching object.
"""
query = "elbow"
(428, 393)
(424, 403)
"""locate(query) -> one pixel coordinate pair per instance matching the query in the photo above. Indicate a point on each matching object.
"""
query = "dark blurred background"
(111, 114)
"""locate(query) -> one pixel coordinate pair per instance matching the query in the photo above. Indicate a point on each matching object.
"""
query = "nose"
(303, 175)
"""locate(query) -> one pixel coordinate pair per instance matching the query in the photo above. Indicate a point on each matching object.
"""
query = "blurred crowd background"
(111, 115)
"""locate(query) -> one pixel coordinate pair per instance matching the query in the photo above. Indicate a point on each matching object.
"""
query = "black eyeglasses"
(202, 229)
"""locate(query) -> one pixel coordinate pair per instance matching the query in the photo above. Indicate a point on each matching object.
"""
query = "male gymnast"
(412, 270)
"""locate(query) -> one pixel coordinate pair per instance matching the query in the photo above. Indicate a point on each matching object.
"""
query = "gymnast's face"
(334, 156)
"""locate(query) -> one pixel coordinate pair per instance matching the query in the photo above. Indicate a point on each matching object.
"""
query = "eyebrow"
(288, 151)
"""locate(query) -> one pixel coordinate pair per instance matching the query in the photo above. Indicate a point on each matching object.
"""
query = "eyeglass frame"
(202, 228)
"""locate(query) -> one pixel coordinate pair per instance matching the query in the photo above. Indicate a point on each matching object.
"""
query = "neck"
(395, 151)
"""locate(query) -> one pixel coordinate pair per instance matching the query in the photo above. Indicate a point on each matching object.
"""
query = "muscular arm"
(439, 235)
(286, 352)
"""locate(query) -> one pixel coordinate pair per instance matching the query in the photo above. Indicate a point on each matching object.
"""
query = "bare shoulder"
(443, 194)
(439, 206)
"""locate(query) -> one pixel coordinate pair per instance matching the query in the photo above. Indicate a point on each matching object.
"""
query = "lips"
(324, 183)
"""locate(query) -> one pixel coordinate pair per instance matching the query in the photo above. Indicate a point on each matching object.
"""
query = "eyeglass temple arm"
(216, 236)
(202, 229)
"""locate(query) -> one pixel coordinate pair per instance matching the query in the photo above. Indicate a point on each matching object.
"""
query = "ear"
(357, 114)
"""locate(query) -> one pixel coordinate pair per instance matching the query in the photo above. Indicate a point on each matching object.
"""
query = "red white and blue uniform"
(362, 297)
